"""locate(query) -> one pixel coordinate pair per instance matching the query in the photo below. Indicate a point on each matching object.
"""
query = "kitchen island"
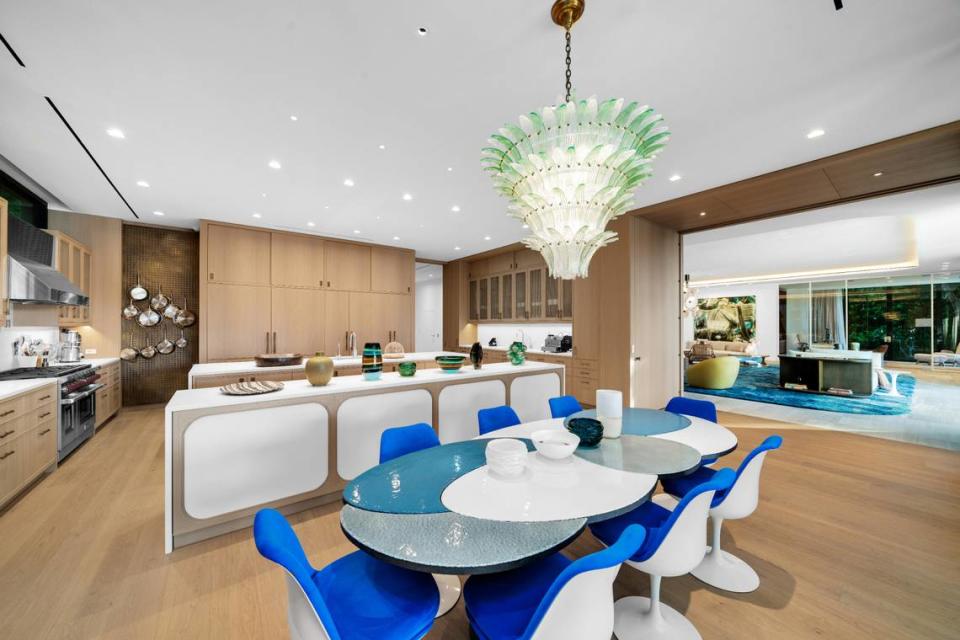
(226, 457)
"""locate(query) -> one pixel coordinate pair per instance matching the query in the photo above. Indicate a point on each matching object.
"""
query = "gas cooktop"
(29, 373)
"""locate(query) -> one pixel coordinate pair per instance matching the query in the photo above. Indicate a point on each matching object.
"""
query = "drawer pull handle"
(44, 432)
(6, 433)
(46, 397)
(43, 415)
(8, 412)
(8, 454)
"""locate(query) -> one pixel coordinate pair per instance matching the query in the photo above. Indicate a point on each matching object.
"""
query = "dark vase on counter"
(476, 355)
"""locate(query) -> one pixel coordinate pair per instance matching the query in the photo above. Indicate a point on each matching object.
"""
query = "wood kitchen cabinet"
(28, 439)
(238, 321)
(296, 261)
(110, 396)
(336, 322)
(74, 261)
(392, 270)
(558, 299)
(296, 325)
(383, 318)
(347, 266)
(238, 255)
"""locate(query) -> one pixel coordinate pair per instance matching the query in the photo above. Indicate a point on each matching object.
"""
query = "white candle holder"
(610, 412)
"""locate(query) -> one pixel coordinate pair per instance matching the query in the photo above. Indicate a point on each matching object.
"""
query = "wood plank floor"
(855, 537)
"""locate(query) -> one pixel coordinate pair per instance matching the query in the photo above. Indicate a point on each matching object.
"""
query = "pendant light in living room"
(569, 169)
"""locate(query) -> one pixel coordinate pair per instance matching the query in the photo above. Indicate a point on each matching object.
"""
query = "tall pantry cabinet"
(274, 292)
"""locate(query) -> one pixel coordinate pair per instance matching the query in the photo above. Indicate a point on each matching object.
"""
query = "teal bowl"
(589, 431)
(450, 364)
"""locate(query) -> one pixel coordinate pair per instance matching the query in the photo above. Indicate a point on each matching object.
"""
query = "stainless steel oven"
(78, 412)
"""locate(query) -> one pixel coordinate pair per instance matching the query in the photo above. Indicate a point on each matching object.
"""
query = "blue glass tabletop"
(643, 422)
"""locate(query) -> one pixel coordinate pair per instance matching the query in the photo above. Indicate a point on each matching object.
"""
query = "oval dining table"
(442, 511)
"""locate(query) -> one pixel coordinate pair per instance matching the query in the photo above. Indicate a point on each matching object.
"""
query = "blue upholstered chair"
(355, 597)
(496, 418)
(675, 544)
(698, 409)
(563, 406)
(721, 569)
(399, 441)
(552, 598)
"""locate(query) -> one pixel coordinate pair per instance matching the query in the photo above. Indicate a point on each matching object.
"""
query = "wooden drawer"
(40, 447)
(13, 429)
(46, 397)
(11, 469)
(11, 409)
(589, 366)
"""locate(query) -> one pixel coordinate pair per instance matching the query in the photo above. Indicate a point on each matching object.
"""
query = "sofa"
(715, 373)
(721, 348)
(941, 358)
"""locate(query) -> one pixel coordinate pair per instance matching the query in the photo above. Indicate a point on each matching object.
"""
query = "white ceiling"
(204, 92)
(922, 226)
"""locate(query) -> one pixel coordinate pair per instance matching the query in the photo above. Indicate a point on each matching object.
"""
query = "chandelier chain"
(569, 86)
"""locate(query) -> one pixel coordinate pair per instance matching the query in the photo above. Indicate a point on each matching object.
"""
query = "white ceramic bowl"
(554, 443)
(506, 457)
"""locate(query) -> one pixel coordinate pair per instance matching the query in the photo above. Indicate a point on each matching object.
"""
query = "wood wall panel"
(104, 238)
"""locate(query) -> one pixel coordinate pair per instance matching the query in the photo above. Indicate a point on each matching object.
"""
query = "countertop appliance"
(69, 349)
(551, 344)
(78, 400)
(566, 343)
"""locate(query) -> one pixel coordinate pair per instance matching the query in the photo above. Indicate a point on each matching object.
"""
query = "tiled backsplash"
(533, 335)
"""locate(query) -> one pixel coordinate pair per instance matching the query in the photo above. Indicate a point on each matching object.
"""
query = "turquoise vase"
(517, 353)
(372, 363)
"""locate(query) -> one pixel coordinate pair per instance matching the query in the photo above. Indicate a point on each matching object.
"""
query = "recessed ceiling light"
(526, 226)
(326, 206)
(703, 213)
(429, 275)
(815, 133)
(396, 237)
(456, 248)
(383, 147)
(113, 132)
(449, 168)
(455, 208)
(486, 237)
(422, 31)
(348, 182)
(143, 183)
(378, 217)
(311, 224)
(294, 118)
(256, 215)
(356, 231)
(407, 197)
(263, 195)
(158, 213)
(274, 164)
(675, 177)
(878, 174)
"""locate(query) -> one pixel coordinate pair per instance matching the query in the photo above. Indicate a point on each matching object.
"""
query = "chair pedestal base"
(726, 571)
(450, 589)
(633, 620)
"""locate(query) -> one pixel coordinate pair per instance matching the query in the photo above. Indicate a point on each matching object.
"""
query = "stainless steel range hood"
(31, 278)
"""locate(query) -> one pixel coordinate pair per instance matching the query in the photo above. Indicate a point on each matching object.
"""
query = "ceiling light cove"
(675, 177)
(815, 133)
(143, 183)
(274, 164)
(113, 132)
(407, 197)
(348, 182)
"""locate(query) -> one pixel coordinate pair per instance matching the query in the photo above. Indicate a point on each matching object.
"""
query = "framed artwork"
(732, 319)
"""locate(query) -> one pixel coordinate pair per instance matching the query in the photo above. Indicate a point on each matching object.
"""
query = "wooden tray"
(253, 388)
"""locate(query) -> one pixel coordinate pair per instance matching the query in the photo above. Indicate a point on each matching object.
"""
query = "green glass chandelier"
(570, 169)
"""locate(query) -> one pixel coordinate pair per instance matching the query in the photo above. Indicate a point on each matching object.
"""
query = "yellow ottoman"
(715, 373)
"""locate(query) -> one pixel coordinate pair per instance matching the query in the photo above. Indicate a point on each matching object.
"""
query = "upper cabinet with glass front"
(75, 262)
(516, 287)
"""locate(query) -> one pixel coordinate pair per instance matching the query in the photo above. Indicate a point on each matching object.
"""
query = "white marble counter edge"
(11, 388)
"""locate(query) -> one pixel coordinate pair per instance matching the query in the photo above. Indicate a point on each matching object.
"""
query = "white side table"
(893, 381)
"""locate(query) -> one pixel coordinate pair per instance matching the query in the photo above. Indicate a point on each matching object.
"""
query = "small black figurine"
(476, 355)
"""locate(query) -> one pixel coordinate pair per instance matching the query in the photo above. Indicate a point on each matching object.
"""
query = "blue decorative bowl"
(589, 430)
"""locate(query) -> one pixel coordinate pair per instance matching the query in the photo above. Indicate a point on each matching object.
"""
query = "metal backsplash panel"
(168, 260)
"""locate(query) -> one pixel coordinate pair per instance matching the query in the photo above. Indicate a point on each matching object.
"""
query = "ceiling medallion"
(570, 169)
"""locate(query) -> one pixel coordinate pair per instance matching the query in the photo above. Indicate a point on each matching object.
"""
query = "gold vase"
(319, 369)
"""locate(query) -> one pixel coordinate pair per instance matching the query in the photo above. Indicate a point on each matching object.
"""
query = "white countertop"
(10, 388)
(249, 366)
(185, 400)
(535, 351)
